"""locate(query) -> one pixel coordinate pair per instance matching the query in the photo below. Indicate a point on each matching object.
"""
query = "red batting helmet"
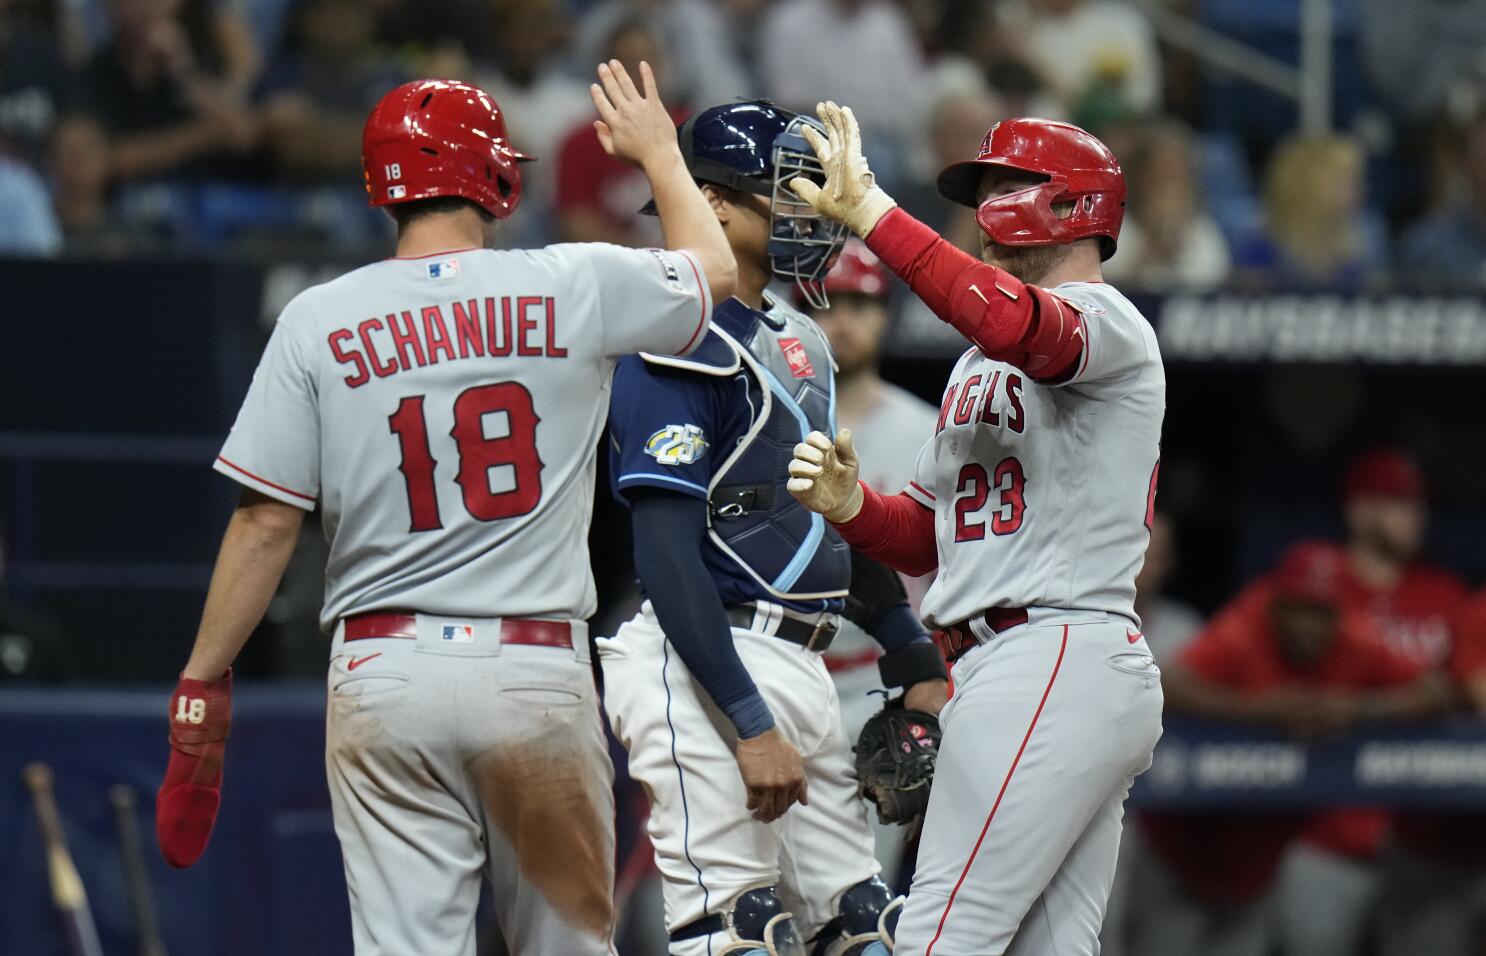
(433, 138)
(857, 270)
(1079, 169)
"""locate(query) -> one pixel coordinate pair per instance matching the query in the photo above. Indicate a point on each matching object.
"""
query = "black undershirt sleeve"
(670, 529)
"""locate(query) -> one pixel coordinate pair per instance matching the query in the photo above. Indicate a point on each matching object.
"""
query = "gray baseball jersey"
(1042, 493)
(444, 412)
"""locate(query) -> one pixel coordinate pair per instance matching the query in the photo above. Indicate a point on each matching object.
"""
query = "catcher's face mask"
(803, 245)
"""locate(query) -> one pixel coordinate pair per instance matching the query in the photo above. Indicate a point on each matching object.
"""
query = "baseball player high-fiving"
(442, 409)
(717, 687)
(1033, 498)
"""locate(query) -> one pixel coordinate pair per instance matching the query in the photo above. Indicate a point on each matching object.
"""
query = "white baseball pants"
(1049, 724)
(708, 847)
(452, 760)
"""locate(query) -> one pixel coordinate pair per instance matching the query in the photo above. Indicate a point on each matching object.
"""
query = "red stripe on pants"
(1004, 784)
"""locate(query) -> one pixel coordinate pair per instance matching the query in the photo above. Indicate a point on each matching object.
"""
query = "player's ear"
(718, 200)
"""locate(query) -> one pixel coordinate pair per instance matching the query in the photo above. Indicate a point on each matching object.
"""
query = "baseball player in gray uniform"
(442, 409)
(1032, 497)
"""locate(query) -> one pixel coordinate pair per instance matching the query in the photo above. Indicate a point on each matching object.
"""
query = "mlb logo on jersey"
(798, 359)
(447, 269)
(459, 633)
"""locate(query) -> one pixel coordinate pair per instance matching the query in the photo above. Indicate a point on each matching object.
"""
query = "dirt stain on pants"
(547, 803)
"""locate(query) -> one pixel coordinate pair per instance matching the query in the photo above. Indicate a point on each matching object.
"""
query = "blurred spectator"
(1167, 622)
(79, 171)
(1097, 55)
(1417, 54)
(860, 53)
(171, 86)
(1318, 234)
(29, 228)
(957, 122)
(1411, 602)
(317, 96)
(1288, 654)
(428, 33)
(1434, 900)
(31, 645)
(994, 46)
(35, 83)
(541, 104)
(703, 62)
(598, 197)
(1448, 246)
(1168, 241)
(1411, 605)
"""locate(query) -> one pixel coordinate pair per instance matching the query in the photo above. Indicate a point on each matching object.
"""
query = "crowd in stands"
(192, 126)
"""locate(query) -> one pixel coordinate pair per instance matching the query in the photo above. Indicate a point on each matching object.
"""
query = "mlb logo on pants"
(459, 633)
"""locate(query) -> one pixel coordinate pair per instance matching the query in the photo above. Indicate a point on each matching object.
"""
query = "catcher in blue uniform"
(717, 688)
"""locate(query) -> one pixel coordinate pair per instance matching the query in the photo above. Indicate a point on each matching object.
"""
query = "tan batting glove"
(823, 476)
(850, 195)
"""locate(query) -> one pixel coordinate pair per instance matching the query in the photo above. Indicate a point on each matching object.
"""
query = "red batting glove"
(186, 806)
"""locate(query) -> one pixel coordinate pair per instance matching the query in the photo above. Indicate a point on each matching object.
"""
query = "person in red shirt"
(1434, 891)
(1287, 654)
(598, 198)
(1410, 604)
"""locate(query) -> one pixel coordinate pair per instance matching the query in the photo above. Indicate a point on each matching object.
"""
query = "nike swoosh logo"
(356, 662)
(976, 289)
(1133, 636)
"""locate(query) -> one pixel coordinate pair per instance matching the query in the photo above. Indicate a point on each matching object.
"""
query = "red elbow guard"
(1006, 319)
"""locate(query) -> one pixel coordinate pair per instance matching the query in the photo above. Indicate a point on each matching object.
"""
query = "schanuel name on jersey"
(380, 347)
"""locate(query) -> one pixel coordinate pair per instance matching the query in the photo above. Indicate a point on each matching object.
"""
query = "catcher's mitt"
(895, 755)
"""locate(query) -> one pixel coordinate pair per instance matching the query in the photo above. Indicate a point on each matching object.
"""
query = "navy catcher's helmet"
(754, 146)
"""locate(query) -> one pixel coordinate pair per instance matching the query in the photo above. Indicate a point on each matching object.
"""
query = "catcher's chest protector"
(793, 553)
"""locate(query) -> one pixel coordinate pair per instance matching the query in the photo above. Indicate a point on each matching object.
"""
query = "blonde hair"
(1307, 228)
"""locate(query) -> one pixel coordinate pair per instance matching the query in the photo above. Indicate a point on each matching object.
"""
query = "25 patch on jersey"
(677, 445)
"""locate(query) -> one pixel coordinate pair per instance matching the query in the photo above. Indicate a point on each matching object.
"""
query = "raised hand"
(850, 195)
(633, 125)
(823, 476)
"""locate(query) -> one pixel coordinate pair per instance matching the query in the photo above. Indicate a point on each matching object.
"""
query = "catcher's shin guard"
(757, 924)
(865, 925)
